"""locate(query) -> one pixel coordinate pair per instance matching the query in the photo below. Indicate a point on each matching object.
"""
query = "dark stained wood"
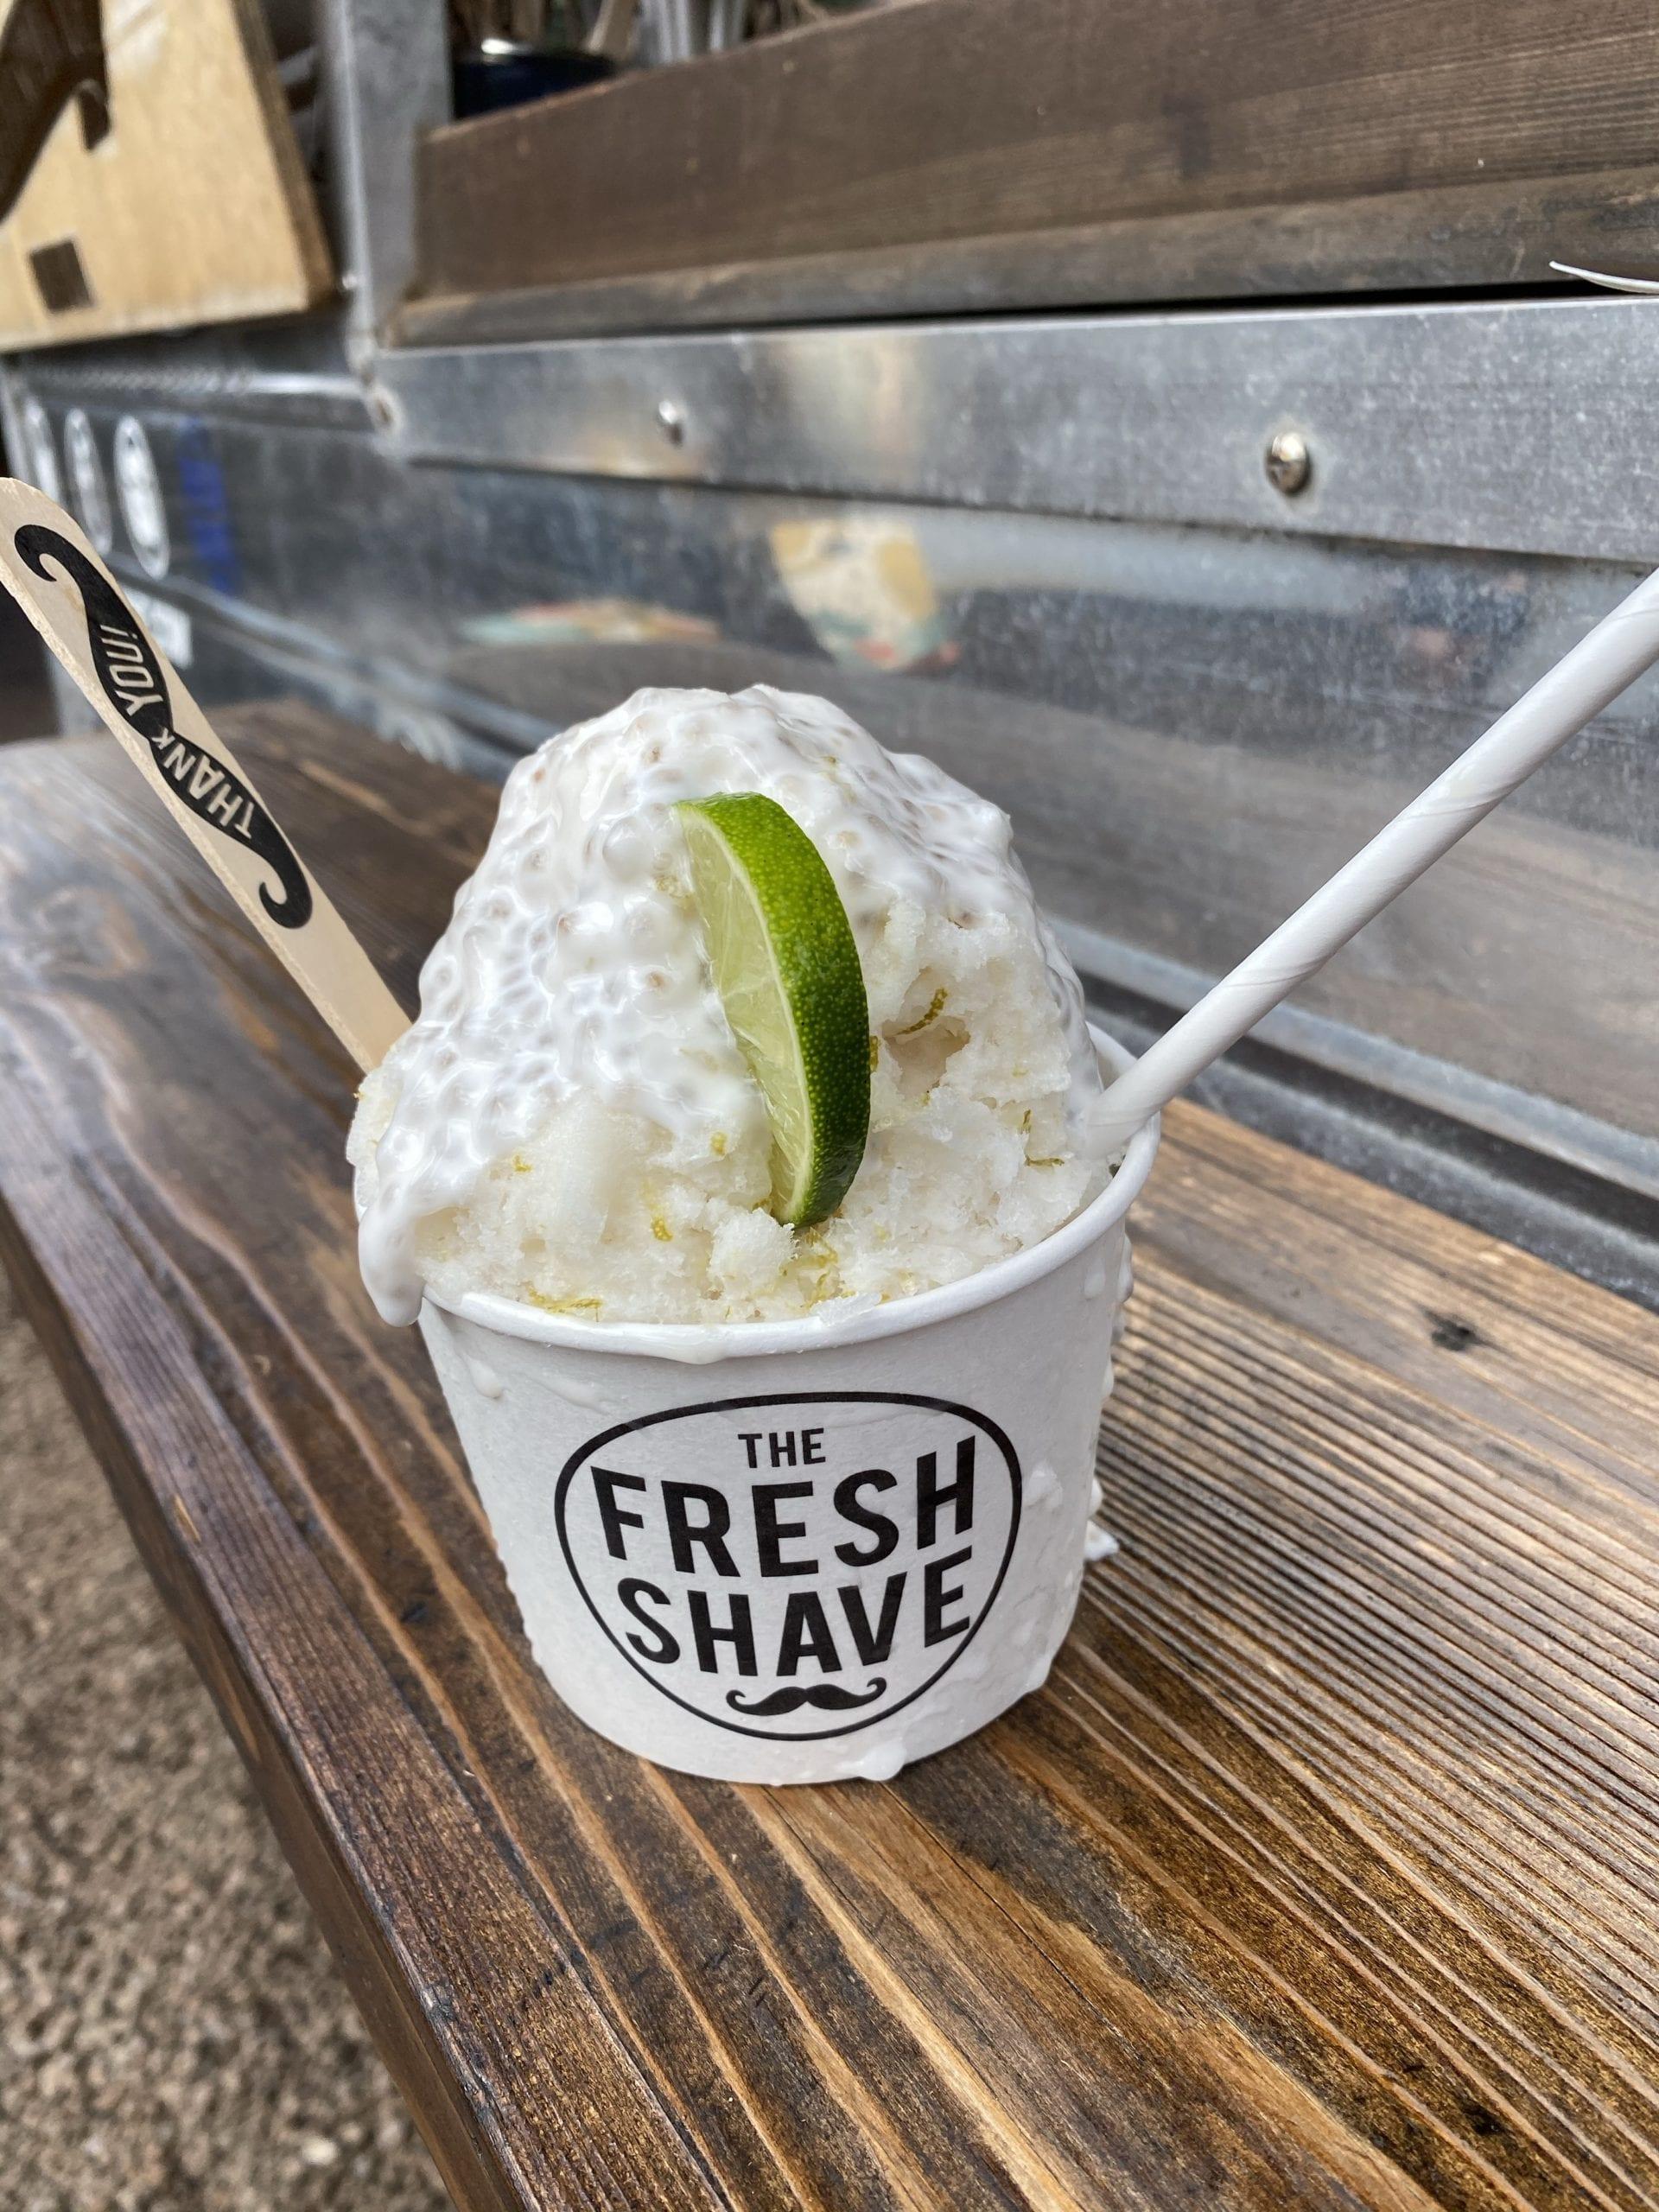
(1449, 236)
(1323, 1874)
(967, 154)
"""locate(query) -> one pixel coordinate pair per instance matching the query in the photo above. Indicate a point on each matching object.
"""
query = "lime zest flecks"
(936, 1007)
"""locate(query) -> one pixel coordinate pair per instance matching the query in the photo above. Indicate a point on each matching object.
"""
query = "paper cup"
(797, 1551)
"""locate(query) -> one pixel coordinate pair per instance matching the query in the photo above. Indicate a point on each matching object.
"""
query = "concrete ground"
(173, 2035)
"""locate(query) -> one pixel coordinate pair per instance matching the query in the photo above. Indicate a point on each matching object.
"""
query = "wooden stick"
(73, 601)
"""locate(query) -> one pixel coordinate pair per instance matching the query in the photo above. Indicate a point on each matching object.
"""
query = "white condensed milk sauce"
(569, 1122)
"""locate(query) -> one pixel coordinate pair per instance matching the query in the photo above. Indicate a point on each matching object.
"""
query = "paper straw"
(1618, 650)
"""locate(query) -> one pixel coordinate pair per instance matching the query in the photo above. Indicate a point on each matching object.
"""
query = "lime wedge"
(786, 967)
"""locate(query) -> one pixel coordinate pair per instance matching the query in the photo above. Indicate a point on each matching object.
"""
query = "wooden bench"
(1323, 1873)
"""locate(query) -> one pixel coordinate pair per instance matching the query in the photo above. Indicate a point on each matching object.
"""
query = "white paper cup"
(796, 1551)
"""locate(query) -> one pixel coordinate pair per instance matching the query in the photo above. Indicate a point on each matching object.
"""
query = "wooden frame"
(150, 178)
(966, 155)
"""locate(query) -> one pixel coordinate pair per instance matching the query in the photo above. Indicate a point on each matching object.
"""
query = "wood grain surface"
(1322, 1874)
(967, 154)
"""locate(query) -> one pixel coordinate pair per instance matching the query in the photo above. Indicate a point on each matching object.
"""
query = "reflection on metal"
(1416, 414)
(1288, 462)
(861, 585)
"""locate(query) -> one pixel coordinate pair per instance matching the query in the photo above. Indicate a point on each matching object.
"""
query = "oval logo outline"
(987, 1427)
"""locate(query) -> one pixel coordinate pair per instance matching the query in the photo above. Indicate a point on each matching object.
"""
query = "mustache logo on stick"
(133, 681)
(827, 1695)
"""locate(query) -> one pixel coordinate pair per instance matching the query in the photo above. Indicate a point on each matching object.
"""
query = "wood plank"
(960, 154)
(179, 197)
(1322, 1874)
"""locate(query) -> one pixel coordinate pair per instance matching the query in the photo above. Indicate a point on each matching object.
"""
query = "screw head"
(670, 421)
(1288, 462)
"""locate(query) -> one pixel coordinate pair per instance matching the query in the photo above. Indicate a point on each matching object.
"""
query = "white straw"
(1618, 650)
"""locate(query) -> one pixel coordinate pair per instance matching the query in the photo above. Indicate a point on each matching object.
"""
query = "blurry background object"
(861, 586)
(642, 33)
(588, 621)
(150, 176)
(675, 31)
(51, 52)
(505, 52)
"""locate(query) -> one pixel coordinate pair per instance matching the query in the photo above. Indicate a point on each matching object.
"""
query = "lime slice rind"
(785, 965)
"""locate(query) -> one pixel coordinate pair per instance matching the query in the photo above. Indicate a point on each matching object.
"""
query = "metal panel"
(295, 373)
(385, 79)
(1413, 417)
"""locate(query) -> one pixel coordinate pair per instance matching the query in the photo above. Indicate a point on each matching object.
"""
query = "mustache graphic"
(827, 1695)
(131, 679)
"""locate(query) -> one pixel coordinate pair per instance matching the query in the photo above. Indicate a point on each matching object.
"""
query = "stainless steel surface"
(1416, 414)
(1190, 727)
(386, 74)
(1288, 462)
(294, 372)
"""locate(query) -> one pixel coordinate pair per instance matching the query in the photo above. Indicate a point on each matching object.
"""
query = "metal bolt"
(1288, 462)
(671, 418)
